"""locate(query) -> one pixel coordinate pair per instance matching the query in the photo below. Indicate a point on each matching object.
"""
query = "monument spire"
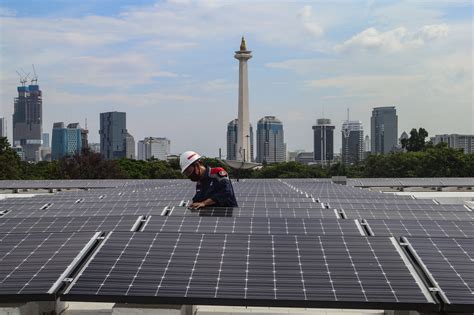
(243, 127)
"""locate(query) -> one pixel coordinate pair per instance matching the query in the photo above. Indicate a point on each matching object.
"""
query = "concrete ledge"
(32, 308)
(157, 309)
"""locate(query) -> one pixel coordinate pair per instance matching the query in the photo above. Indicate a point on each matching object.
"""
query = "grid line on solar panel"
(33, 263)
(102, 210)
(409, 214)
(310, 270)
(358, 200)
(400, 207)
(428, 228)
(449, 263)
(256, 212)
(89, 205)
(67, 224)
(418, 182)
(251, 225)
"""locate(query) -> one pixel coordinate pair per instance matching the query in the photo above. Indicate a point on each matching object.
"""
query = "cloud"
(430, 32)
(308, 21)
(159, 61)
(394, 40)
(219, 85)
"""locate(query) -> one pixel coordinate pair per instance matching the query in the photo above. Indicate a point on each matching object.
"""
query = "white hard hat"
(188, 158)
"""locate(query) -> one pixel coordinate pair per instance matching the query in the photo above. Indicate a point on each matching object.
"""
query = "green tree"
(89, 165)
(10, 164)
(416, 142)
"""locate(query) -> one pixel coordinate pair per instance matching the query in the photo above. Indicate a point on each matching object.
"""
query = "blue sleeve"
(224, 194)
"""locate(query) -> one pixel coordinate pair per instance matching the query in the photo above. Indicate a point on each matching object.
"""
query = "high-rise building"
(367, 144)
(45, 138)
(129, 144)
(3, 127)
(384, 129)
(113, 134)
(85, 138)
(66, 141)
(271, 147)
(456, 141)
(153, 147)
(232, 131)
(84, 134)
(323, 141)
(28, 121)
(352, 142)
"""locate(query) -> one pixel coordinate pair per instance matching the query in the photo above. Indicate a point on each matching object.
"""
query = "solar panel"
(236, 269)
(400, 207)
(257, 212)
(409, 214)
(257, 225)
(427, 228)
(281, 247)
(33, 265)
(449, 263)
(369, 200)
(105, 209)
(67, 224)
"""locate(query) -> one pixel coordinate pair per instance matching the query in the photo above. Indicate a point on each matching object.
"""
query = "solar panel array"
(413, 182)
(294, 243)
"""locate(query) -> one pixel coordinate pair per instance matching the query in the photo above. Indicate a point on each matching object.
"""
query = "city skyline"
(415, 56)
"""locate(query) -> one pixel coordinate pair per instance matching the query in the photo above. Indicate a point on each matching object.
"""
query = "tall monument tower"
(243, 137)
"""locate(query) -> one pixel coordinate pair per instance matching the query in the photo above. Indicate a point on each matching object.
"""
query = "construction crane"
(35, 77)
(23, 78)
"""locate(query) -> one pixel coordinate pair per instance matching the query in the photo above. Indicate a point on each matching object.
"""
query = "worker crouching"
(213, 186)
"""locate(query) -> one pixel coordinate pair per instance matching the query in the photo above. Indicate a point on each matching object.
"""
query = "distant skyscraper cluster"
(31, 144)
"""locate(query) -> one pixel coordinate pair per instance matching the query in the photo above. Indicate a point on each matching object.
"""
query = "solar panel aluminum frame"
(446, 304)
(74, 263)
(421, 307)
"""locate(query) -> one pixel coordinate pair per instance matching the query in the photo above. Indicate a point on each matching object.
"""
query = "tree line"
(419, 159)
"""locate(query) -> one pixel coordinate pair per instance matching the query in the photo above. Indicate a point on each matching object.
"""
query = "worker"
(213, 186)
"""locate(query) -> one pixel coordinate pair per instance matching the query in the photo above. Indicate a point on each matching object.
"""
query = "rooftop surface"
(300, 246)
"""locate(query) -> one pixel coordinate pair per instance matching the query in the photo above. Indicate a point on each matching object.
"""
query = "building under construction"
(28, 120)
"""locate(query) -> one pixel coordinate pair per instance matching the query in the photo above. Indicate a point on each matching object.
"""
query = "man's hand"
(197, 205)
(201, 204)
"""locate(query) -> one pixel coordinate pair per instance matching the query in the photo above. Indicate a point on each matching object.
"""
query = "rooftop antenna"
(35, 77)
(86, 124)
(347, 113)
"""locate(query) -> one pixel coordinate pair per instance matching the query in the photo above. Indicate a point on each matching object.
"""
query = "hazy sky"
(170, 64)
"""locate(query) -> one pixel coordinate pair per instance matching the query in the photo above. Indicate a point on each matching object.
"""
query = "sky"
(170, 64)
